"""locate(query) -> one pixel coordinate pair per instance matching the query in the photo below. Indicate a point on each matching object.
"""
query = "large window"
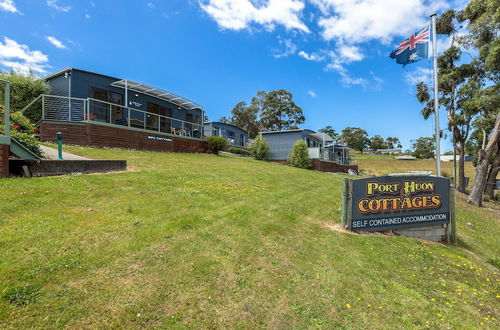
(156, 116)
(193, 130)
(152, 119)
(118, 113)
(99, 110)
(105, 112)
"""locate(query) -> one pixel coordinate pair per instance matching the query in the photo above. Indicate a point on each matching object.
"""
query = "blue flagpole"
(436, 98)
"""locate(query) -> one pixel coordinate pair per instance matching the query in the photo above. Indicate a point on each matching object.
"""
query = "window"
(99, 110)
(99, 93)
(193, 129)
(152, 118)
(165, 123)
(192, 118)
(164, 111)
(158, 113)
(118, 113)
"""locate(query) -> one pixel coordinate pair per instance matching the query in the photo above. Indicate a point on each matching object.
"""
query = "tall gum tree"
(458, 82)
(483, 23)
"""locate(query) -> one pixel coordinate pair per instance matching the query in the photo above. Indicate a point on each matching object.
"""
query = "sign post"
(436, 96)
(415, 204)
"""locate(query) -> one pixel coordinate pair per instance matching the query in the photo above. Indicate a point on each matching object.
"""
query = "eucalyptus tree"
(246, 117)
(392, 142)
(280, 112)
(458, 82)
(355, 138)
(328, 130)
(483, 23)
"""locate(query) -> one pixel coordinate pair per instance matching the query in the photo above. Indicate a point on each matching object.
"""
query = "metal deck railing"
(72, 109)
(329, 156)
(209, 131)
(5, 132)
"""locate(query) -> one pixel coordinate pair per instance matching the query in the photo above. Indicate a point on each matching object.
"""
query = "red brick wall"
(72, 133)
(108, 136)
(324, 166)
(4, 160)
(332, 167)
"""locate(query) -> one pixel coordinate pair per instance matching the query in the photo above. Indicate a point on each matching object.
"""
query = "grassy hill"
(383, 164)
(208, 241)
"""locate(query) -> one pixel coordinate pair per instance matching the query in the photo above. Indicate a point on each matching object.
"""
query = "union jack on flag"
(413, 49)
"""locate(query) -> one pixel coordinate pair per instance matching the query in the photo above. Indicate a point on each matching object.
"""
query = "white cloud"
(312, 56)
(364, 20)
(345, 78)
(150, 5)
(87, 16)
(346, 25)
(54, 41)
(290, 49)
(377, 82)
(54, 4)
(240, 14)
(418, 75)
(20, 58)
(350, 54)
(8, 5)
(312, 94)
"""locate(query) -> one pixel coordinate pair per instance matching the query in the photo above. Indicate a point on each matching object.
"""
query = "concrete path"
(51, 153)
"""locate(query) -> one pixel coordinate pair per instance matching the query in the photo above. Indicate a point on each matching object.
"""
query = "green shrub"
(299, 157)
(260, 149)
(22, 130)
(216, 144)
(239, 151)
(23, 90)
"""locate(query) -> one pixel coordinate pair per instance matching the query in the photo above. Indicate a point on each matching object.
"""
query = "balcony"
(340, 157)
(71, 109)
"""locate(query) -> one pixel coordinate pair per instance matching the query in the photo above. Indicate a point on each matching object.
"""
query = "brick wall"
(332, 167)
(4, 160)
(318, 165)
(86, 134)
(435, 233)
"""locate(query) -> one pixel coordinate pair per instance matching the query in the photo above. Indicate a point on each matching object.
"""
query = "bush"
(299, 157)
(22, 130)
(239, 151)
(260, 149)
(216, 144)
(23, 90)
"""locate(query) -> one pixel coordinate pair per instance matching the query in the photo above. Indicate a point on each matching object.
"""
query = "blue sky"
(331, 54)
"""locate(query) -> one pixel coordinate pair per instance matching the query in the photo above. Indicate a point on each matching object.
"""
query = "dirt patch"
(337, 227)
(129, 169)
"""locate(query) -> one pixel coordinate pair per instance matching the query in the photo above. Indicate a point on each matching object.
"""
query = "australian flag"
(413, 49)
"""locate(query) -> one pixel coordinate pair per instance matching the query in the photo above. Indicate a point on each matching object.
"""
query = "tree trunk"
(476, 195)
(492, 176)
(461, 169)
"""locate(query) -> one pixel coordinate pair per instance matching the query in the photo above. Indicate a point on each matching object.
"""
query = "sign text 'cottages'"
(394, 202)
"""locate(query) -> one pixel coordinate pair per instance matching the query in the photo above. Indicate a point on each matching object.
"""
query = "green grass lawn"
(383, 164)
(186, 240)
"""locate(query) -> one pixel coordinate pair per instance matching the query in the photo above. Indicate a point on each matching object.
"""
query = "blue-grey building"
(320, 146)
(89, 96)
(234, 135)
(281, 142)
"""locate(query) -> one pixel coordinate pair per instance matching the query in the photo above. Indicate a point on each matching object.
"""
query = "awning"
(156, 92)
